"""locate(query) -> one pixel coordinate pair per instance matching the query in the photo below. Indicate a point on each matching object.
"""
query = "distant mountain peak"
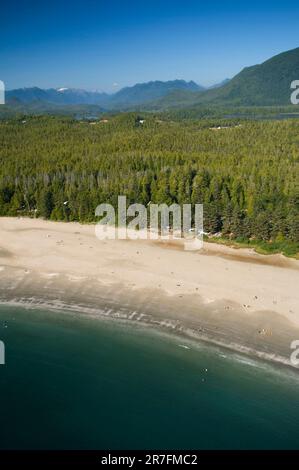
(143, 93)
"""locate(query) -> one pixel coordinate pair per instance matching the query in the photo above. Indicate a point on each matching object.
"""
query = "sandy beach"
(232, 297)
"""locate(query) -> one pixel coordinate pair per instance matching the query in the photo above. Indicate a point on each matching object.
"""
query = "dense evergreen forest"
(245, 172)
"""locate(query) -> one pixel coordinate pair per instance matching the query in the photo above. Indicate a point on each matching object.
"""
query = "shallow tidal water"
(73, 382)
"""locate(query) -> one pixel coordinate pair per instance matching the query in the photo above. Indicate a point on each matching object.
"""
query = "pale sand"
(235, 297)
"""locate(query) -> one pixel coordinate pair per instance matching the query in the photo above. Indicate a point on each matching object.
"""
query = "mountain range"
(136, 95)
(266, 84)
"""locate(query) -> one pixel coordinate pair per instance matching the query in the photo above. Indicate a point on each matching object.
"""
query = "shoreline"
(164, 326)
(202, 296)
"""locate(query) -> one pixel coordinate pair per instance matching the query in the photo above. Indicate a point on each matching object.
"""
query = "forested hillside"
(264, 84)
(246, 175)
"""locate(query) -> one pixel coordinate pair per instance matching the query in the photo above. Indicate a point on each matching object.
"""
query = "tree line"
(244, 172)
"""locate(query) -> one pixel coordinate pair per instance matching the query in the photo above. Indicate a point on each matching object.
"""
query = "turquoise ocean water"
(79, 383)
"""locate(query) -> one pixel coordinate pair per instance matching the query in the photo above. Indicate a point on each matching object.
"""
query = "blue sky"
(106, 45)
